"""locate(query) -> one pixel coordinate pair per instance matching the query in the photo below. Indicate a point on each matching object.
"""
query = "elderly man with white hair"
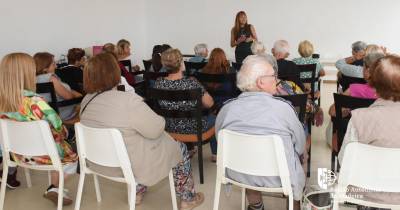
(256, 111)
(353, 66)
(287, 69)
(201, 53)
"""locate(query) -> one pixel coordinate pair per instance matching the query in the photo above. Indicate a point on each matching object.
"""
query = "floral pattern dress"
(34, 107)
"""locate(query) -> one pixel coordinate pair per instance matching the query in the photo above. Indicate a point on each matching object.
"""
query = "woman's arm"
(233, 41)
(253, 33)
(207, 100)
(60, 89)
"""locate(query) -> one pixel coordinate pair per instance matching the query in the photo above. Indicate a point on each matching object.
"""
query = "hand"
(241, 39)
(249, 39)
(350, 60)
(136, 68)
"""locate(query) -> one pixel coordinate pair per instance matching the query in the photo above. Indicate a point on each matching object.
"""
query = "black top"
(358, 62)
(243, 49)
(244, 31)
(73, 76)
(287, 70)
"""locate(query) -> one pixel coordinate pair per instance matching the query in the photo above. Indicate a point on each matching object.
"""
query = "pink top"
(362, 91)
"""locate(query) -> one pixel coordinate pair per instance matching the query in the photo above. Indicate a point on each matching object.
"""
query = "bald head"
(256, 74)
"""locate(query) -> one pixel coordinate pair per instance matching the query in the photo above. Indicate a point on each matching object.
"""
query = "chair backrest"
(33, 138)
(310, 68)
(346, 81)
(298, 101)
(147, 64)
(221, 79)
(127, 64)
(370, 167)
(258, 155)
(189, 66)
(103, 146)
(48, 88)
(156, 95)
(236, 66)
(343, 101)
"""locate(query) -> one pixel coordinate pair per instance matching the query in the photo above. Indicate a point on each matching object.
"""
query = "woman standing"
(242, 36)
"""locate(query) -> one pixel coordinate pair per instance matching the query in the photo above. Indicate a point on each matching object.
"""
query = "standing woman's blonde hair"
(17, 73)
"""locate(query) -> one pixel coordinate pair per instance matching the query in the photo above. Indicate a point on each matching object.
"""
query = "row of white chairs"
(356, 169)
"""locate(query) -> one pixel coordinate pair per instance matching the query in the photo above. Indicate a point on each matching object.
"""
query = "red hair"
(217, 64)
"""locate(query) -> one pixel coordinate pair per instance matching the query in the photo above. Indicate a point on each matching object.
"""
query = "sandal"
(197, 201)
(52, 195)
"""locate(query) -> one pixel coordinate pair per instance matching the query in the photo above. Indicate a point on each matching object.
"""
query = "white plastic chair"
(254, 155)
(105, 147)
(29, 139)
(368, 167)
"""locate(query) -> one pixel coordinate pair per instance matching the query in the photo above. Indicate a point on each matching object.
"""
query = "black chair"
(140, 83)
(127, 64)
(311, 68)
(209, 80)
(200, 138)
(299, 102)
(147, 64)
(193, 67)
(188, 55)
(48, 88)
(236, 66)
(340, 122)
(346, 81)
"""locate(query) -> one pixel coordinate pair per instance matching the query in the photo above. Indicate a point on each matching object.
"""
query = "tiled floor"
(158, 197)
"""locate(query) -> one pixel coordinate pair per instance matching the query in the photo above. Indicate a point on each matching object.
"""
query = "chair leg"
(243, 198)
(80, 190)
(132, 196)
(217, 193)
(290, 201)
(3, 185)
(333, 162)
(60, 190)
(28, 177)
(97, 188)
(309, 161)
(173, 193)
(200, 157)
(335, 204)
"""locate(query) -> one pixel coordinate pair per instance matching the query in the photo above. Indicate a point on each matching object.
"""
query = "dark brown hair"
(385, 77)
(171, 60)
(217, 64)
(43, 60)
(74, 55)
(101, 73)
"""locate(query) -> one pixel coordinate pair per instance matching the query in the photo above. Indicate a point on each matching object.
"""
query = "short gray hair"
(253, 67)
(358, 46)
(200, 49)
(257, 48)
(281, 46)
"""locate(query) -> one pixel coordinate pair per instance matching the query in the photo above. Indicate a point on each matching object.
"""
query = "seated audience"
(45, 67)
(378, 124)
(19, 102)
(352, 66)
(124, 52)
(151, 150)
(257, 112)
(306, 50)
(172, 61)
(72, 74)
(257, 48)
(218, 64)
(110, 48)
(156, 65)
(201, 53)
(287, 69)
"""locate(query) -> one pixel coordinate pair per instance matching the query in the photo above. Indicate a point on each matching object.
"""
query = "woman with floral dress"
(21, 103)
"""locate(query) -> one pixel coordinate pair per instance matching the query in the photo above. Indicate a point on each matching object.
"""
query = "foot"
(197, 201)
(139, 198)
(12, 181)
(52, 195)
(214, 158)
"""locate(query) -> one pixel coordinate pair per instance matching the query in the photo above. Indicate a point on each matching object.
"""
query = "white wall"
(57, 25)
(332, 25)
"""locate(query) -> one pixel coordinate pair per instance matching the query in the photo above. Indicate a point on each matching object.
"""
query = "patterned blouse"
(308, 60)
(180, 125)
(35, 108)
